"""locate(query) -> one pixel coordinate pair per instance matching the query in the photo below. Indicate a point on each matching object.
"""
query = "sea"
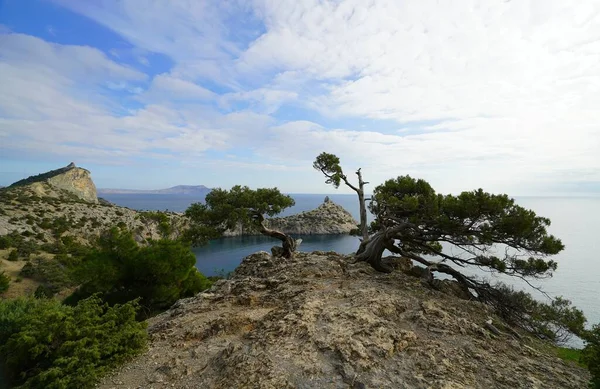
(574, 221)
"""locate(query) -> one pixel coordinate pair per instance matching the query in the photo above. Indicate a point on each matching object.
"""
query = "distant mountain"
(179, 189)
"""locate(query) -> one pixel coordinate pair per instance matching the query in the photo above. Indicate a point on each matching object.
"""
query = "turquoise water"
(223, 255)
(574, 220)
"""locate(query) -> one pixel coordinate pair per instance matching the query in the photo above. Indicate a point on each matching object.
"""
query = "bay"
(574, 220)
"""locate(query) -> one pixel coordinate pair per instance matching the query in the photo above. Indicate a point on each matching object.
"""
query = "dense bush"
(4, 281)
(13, 255)
(5, 242)
(49, 345)
(164, 223)
(159, 274)
(591, 354)
(53, 275)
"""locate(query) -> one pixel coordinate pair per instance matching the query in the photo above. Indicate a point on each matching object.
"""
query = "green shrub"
(13, 255)
(164, 223)
(45, 224)
(569, 354)
(49, 345)
(52, 274)
(45, 291)
(591, 354)
(5, 242)
(159, 274)
(4, 281)
(61, 224)
(25, 248)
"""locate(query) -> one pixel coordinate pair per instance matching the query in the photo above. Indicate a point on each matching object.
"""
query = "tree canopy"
(239, 207)
(476, 229)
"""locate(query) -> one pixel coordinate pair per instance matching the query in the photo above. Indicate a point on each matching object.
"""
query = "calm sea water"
(574, 220)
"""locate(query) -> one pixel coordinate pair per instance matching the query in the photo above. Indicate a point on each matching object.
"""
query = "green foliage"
(591, 354)
(13, 255)
(474, 229)
(329, 165)
(49, 345)
(5, 242)
(44, 292)
(4, 281)
(61, 224)
(53, 275)
(555, 321)
(164, 223)
(45, 224)
(159, 274)
(470, 225)
(570, 354)
(225, 209)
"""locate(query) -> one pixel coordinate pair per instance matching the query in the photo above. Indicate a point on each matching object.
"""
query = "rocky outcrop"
(78, 182)
(327, 218)
(69, 180)
(319, 321)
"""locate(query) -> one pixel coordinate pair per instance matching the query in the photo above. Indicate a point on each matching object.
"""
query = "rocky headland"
(69, 180)
(328, 218)
(319, 321)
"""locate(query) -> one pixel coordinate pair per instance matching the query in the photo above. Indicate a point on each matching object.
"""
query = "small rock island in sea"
(328, 218)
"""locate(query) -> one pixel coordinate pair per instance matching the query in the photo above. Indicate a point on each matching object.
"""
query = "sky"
(499, 95)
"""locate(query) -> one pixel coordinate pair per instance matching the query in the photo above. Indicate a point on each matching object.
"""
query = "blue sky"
(492, 94)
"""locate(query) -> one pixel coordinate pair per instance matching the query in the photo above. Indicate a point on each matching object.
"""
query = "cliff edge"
(319, 321)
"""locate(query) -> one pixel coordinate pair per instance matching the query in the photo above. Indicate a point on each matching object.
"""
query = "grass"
(570, 354)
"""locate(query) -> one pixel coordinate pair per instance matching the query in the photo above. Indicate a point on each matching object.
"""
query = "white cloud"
(165, 87)
(180, 29)
(265, 100)
(497, 94)
(81, 63)
(52, 103)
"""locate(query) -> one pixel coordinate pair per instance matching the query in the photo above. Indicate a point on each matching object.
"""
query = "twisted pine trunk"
(372, 251)
(289, 244)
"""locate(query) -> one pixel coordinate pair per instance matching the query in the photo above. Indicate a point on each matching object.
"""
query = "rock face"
(71, 179)
(327, 218)
(319, 321)
(77, 181)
